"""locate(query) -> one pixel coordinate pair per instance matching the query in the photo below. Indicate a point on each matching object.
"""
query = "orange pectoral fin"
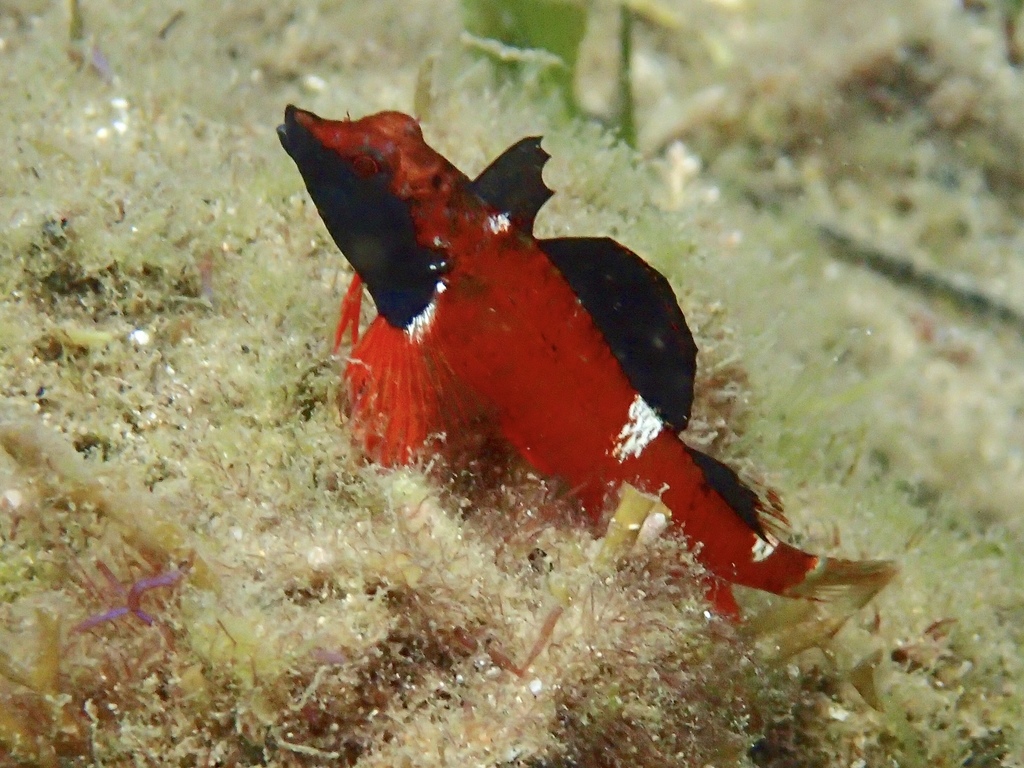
(405, 400)
(719, 594)
(351, 307)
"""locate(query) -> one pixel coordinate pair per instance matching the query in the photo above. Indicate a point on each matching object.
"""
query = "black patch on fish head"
(371, 225)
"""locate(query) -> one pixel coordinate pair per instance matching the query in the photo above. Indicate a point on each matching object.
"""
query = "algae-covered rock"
(171, 404)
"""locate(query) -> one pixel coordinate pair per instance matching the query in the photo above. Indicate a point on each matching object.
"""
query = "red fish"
(574, 349)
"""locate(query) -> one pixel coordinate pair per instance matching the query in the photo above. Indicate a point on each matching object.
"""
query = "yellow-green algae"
(169, 399)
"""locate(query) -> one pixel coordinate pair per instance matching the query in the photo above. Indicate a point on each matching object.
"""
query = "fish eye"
(365, 166)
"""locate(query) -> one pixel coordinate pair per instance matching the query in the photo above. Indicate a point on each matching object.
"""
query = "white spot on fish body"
(417, 328)
(642, 426)
(499, 223)
(763, 548)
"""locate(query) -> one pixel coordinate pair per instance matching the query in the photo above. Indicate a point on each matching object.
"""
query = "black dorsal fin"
(637, 313)
(513, 184)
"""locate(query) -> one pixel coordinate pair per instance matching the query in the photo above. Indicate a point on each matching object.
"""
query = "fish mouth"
(288, 131)
(320, 165)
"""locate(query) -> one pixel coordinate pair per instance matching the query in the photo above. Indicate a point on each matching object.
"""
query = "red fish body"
(574, 349)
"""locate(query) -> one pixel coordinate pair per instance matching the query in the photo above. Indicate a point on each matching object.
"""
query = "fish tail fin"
(831, 593)
(846, 583)
(351, 308)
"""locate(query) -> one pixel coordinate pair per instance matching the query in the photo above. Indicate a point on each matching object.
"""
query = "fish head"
(365, 177)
